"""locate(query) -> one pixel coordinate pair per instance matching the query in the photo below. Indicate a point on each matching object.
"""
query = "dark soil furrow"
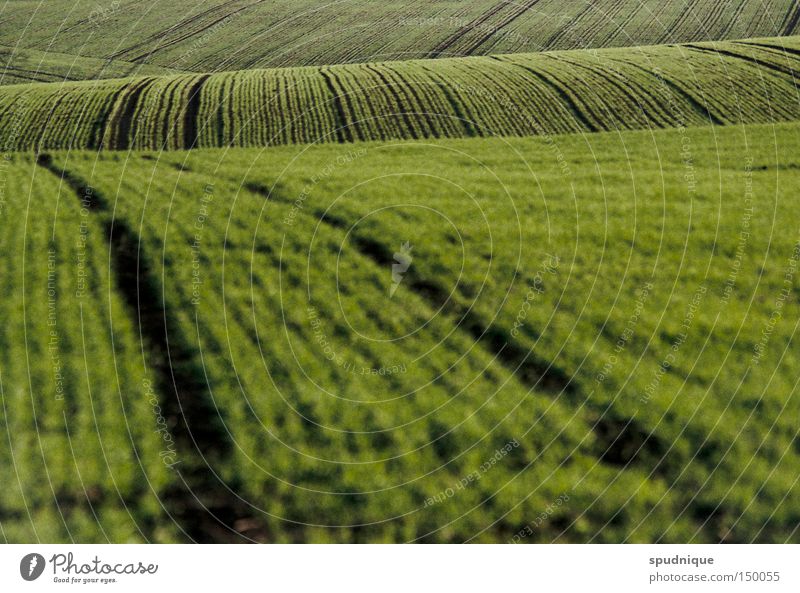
(615, 79)
(343, 131)
(589, 34)
(49, 118)
(177, 26)
(696, 105)
(402, 104)
(203, 506)
(425, 102)
(782, 51)
(752, 60)
(118, 128)
(460, 110)
(477, 22)
(556, 37)
(792, 19)
(524, 364)
(568, 101)
(189, 35)
(30, 74)
(733, 20)
(503, 24)
(191, 115)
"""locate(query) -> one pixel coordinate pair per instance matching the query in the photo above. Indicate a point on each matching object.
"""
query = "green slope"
(521, 94)
(614, 308)
(241, 34)
(20, 66)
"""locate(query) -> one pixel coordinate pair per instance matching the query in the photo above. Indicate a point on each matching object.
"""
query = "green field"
(78, 443)
(242, 34)
(609, 317)
(365, 271)
(20, 66)
(521, 94)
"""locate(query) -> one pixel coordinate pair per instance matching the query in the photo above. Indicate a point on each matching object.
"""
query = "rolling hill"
(20, 66)
(752, 81)
(243, 34)
(359, 271)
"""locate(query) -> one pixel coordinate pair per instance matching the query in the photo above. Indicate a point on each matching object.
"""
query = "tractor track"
(792, 19)
(503, 24)
(191, 116)
(761, 63)
(442, 47)
(526, 366)
(204, 507)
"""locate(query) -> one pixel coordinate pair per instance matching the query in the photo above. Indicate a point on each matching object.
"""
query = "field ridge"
(508, 95)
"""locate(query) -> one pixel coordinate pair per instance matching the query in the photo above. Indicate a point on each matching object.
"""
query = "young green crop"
(512, 95)
(612, 307)
(241, 34)
(81, 457)
(22, 66)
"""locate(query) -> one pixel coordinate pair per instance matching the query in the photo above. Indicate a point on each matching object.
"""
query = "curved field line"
(343, 131)
(696, 105)
(158, 36)
(442, 47)
(568, 101)
(792, 19)
(192, 113)
(774, 67)
(178, 373)
(567, 29)
(503, 23)
(118, 127)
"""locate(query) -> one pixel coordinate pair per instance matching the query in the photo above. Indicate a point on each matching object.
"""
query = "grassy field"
(76, 463)
(521, 94)
(571, 338)
(20, 66)
(361, 271)
(243, 34)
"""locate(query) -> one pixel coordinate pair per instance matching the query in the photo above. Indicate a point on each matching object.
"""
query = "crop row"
(81, 458)
(619, 290)
(238, 311)
(242, 34)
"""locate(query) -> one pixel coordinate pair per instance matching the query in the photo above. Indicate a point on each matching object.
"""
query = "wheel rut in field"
(442, 47)
(191, 115)
(562, 94)
(206, 509)
(520, 10)
(343, 131)
(625, 441)
(701, 108)
(792, 19)
(753, 60)
(460, 110)
(619, 441)
(160, 36)
(119, 124)
(782, 51)
(198, 34)
(523, 363)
